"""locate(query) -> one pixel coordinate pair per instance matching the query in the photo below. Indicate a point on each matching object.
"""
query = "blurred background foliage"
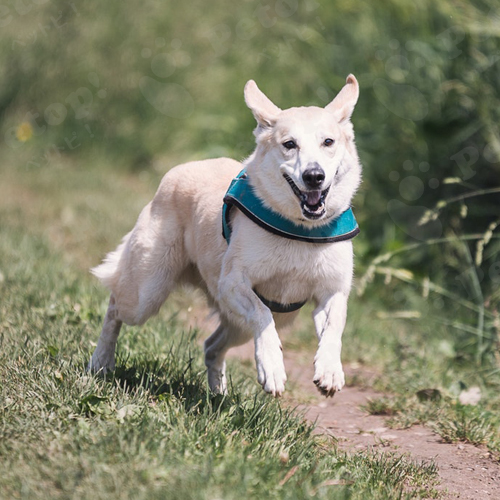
(141, 87)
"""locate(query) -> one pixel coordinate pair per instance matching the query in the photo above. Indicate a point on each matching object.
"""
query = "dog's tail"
(107, 271)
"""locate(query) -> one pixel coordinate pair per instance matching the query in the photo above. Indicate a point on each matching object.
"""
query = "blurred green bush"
(130, 84)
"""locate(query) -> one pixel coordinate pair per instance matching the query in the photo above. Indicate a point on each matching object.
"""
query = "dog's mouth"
(312, 202)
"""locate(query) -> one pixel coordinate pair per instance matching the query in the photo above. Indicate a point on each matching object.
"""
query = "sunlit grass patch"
(151, 428)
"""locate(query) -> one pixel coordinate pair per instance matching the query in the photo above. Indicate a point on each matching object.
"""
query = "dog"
(255, 272)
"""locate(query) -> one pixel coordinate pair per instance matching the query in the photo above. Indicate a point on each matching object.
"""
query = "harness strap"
(277, 307)
(241, 195)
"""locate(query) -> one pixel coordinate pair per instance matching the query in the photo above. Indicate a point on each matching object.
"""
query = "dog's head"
(305, 166)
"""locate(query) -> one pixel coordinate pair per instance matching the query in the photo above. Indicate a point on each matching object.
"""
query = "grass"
(151, 429)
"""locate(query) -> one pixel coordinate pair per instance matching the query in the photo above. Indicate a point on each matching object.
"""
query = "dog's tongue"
(313, 197)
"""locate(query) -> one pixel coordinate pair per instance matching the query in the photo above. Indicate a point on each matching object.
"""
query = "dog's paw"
(101, 364)
(328, 375)
(217, 380)
(271, 369)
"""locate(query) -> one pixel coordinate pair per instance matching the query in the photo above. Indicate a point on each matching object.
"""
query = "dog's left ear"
(343, 105)
(264, 110)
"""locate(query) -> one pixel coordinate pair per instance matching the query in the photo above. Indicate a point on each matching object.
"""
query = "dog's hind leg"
(103, 359)
(216, 347)
(140, 274)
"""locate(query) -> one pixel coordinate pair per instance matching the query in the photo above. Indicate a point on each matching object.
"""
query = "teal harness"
(241, 195)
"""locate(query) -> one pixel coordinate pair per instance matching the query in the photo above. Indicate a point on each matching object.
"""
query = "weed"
(467, 423)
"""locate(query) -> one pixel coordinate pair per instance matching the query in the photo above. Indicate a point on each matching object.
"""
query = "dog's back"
(174, 230)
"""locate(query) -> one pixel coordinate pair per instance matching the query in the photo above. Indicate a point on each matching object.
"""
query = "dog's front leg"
(242, 307)
(329, 319)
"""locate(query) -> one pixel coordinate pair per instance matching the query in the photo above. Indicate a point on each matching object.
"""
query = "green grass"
(151, 429)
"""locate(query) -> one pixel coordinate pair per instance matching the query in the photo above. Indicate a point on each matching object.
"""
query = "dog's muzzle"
(312, 202)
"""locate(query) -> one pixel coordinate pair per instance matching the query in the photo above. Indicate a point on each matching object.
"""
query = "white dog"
(287, 229)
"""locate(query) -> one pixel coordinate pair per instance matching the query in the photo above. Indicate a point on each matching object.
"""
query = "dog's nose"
(314, 177)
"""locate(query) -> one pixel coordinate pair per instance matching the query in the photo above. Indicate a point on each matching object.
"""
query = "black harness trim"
(277, 307)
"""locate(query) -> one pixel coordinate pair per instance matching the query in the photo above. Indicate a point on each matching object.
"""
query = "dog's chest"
(289, 271)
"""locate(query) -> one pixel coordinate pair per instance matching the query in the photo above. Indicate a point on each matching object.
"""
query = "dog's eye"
(290, 145)
(328, 142)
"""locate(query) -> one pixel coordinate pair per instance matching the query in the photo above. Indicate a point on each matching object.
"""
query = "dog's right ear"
(264, 110)
(343, 105)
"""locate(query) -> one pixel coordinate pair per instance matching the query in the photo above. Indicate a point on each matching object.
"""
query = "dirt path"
(466, 472)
